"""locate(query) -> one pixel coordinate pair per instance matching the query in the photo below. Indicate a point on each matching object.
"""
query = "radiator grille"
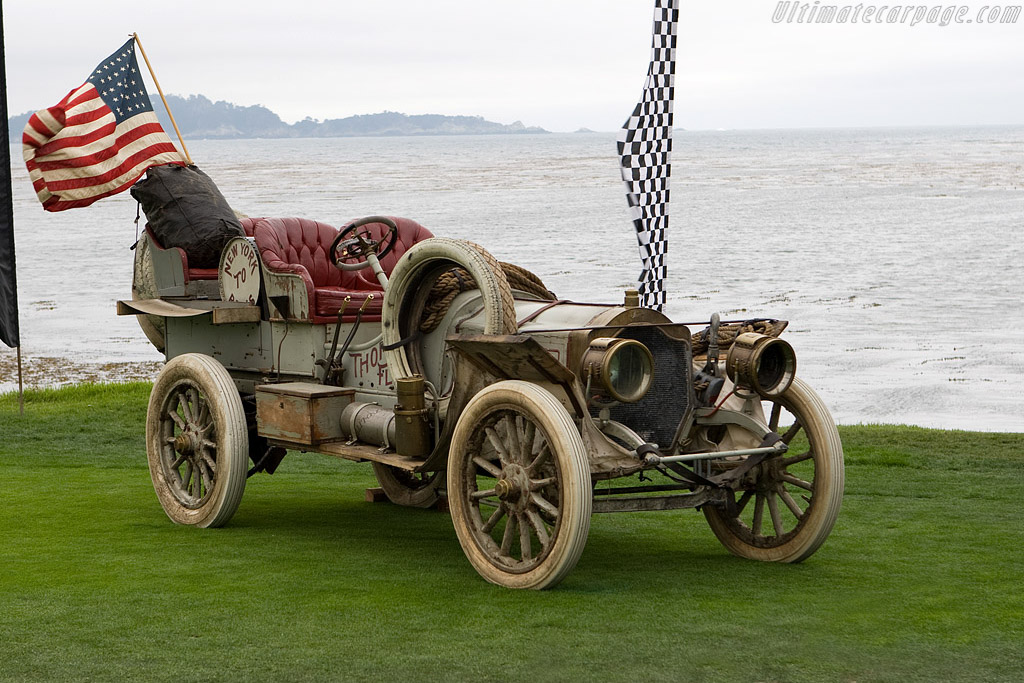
(657, 416)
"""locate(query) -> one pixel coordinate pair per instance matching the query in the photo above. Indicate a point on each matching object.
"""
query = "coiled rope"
(453, 282)
(728, 333)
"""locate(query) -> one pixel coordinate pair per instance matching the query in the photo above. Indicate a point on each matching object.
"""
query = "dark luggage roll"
(185, 209)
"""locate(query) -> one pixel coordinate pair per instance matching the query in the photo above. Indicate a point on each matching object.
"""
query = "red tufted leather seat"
(299, 246)
(248, 224)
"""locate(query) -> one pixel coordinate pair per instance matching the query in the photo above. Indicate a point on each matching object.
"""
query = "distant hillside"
(200, 118)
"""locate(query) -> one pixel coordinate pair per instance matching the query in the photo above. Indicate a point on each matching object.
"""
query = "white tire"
(197, 442)
(519, 486)
(785, 510)
(407, 280)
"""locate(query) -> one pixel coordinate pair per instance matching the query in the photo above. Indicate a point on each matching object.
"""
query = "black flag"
(9, 333)
(645, 145)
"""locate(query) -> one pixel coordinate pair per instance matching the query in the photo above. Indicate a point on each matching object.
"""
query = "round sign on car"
(239, 272)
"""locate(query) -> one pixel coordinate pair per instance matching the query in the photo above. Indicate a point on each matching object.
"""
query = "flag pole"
(21, 390)
(160, 90)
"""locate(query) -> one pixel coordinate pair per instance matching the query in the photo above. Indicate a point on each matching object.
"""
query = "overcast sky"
(558, 64)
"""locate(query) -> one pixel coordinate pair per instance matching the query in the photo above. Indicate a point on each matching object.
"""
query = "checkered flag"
(645, 145)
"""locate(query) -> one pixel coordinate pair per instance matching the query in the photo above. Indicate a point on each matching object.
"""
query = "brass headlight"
(762, 363)
(620, 369)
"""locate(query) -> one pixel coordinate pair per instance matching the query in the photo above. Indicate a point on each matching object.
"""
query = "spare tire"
(423, 261)
(144, 287)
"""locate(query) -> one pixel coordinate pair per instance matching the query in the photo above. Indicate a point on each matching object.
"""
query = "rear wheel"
(196, 441)
(519, 486)
(411, 489)
(784, 509)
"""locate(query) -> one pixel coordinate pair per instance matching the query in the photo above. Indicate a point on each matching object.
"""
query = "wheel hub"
(514, 487)
(505, 489)
(186, 443)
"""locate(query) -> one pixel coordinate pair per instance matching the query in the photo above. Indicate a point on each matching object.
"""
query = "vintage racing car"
(464, 380)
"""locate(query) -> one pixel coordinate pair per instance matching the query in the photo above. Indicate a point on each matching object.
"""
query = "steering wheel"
(352, 247)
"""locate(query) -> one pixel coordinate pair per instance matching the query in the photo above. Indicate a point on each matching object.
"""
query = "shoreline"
(53, 372)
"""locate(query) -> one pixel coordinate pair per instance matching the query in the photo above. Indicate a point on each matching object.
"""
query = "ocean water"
(897, 254)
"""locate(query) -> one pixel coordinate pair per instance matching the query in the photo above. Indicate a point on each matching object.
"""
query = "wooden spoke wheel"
(411, 489)
(196, 441)
(785, 507)
(519, 486)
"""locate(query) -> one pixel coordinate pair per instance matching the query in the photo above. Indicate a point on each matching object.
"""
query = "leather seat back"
(287, 242)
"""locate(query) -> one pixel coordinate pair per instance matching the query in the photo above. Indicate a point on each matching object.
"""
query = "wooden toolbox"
(301, 412)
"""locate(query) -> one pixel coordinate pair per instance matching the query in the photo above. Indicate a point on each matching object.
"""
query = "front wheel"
(197, 443)
(784, 509)
(519, 486)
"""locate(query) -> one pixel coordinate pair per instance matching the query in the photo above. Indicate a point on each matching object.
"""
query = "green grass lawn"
(921, 580)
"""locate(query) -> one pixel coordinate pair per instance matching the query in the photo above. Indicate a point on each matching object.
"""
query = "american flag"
(99, 139)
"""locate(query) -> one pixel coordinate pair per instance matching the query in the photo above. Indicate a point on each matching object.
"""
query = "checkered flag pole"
(645, 145)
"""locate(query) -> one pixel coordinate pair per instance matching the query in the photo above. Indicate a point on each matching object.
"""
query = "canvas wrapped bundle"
(185, 209)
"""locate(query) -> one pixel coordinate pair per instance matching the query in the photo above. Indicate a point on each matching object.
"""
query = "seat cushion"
(329, 301)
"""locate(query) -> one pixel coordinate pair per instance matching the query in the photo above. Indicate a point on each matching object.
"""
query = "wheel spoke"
(206, 480)
(773, 422)
(791, 432)
(204, 414)
(493, 520)
(538, 526)
(794, 459)
(197, 481)
(186, 479)
(758, 514)
(525, 541)
(796, 481)
(489, 493)
(510, 532)
(173, 414)
(543, 504)
(773, 509)
(180, 459)
(185, 401)
(498, 444)
(742, 502)
(529, 440)
(488, 466)
(196, 404)
(542, 456)
(515, 449)
(538, 440)
(790, 503)
(538, 484)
